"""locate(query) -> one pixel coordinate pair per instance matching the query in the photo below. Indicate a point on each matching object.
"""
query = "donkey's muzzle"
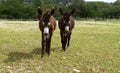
(46, 31)
(66, 28)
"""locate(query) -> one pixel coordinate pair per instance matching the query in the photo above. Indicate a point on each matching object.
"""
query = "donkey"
(47, 25)
(66, 23)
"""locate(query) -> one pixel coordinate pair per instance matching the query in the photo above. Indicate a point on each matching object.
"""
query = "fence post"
(106, 21)
(21, 20)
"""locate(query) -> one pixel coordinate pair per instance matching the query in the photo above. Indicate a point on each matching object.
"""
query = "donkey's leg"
(46, 49)
(62, 39)
(42, 50)
(65, 42)
(69, 37)
(48, 46)
(43, 47)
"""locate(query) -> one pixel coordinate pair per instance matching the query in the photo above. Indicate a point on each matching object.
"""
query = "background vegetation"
(16, 9)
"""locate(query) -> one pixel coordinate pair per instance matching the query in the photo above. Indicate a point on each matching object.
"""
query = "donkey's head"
(45, 21)
(65, 19)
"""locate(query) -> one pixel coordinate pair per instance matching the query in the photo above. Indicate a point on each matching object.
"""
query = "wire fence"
(95, 21)
(106, 21)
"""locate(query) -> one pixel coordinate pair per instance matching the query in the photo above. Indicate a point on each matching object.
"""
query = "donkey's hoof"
(67, 45)
(48, 55)
(64, 50)
(61, 49)
(42, 58)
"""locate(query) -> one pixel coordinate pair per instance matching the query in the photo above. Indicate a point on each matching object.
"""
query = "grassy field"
(94, 48)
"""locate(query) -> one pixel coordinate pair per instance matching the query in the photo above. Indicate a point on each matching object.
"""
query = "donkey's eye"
(43, 23)
(49, 23)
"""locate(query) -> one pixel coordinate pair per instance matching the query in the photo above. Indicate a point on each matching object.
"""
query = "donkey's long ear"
(61, 11)
(39, 11)
(52, 11)
(72, 12)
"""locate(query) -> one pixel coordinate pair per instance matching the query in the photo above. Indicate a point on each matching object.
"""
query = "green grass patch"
(94, 48)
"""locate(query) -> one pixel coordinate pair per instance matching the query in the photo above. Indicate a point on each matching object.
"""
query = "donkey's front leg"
(43, 48)
(43, 43)
(69, 37)
(62, 39)
(65, 42)
(48, 46)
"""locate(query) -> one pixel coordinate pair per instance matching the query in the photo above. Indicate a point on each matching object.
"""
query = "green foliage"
(117, 2)
(1, 7)
(37, 3)
(112, 12)
(79, 5)
(95, 9)
(45, 4)
(29, 12)
(17, 9)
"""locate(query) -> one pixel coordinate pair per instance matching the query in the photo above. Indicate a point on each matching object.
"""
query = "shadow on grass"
(18, 56)
(36, 51)
(55, 49)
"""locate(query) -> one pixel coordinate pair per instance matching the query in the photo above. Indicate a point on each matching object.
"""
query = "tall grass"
(94, 48)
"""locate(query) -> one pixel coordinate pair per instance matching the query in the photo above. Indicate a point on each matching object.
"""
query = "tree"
(17, 9)
(79, 5)
(29, 12)
(113, 12)
(37, 3)
(1, 9)
(117, 2)
(13, 8)
(45, 4)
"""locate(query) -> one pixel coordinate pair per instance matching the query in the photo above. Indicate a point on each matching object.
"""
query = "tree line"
(17, 9)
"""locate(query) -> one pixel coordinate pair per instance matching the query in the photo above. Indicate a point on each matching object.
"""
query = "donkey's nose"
(66, 28)
(46, 30)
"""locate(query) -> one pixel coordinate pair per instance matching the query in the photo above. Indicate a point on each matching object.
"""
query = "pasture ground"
(94, 48)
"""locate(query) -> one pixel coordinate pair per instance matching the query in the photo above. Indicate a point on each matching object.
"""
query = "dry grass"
(93, 49)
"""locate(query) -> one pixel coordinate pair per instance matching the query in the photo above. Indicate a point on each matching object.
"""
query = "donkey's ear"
(61, 11)
(39, 11)
(72, 12)
(52, 11)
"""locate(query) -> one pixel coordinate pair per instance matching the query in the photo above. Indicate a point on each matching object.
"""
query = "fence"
(95, 21)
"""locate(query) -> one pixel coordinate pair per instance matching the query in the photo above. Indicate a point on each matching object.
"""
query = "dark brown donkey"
(47, 25)
(66, 24)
